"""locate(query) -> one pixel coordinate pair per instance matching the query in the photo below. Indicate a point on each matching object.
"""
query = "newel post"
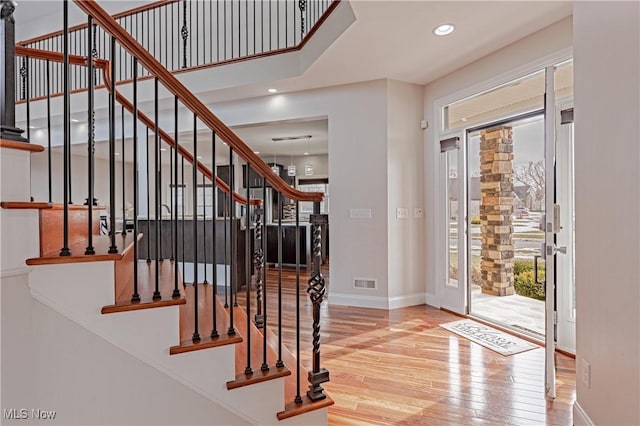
(8, 128)
(317, 290)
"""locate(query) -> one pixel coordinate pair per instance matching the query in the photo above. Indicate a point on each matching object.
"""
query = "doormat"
(503, 343)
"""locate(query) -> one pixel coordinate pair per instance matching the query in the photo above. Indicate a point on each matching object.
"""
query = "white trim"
(580, 417)
(432, 300)
(438, 133)
(12, 272)
(504, 78)
(360, 301)
(407, 300)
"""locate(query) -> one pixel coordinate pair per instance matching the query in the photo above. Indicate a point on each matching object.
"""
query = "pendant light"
(275, 168)
(308, 168)
(291, 170)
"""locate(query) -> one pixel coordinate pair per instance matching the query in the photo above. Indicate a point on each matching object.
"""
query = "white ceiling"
(389, 39)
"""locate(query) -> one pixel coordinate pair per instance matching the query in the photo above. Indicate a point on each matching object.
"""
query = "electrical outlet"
(586, 373)
(418, 213)
(402, 213)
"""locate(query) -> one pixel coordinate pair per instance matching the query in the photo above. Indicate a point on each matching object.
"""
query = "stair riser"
(19, 229)
(15, 184)
(148, 334)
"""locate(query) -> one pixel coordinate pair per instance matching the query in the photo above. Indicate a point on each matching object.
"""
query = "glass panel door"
(506, 207)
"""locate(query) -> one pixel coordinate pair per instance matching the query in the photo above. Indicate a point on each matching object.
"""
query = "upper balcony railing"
(182, 35)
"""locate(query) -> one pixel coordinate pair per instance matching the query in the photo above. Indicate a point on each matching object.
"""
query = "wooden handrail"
(103, 64)
(118, 15)
(173, 85)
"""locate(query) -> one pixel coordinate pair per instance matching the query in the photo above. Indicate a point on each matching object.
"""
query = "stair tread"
(205, 322)
(292, 409)
(146, 288)
(21, 146)
(101, 244)
(25, 205)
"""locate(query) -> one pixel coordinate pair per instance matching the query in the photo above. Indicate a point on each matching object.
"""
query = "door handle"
(562, 250)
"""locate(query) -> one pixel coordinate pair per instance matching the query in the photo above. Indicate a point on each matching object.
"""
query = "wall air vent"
(367, 283)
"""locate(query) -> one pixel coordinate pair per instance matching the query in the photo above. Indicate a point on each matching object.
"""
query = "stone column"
(496, 207)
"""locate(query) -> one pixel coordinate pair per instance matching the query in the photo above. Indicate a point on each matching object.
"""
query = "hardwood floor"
(399, 368)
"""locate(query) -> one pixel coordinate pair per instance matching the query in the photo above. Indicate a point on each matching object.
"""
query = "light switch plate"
(360, 213)
(402, 213)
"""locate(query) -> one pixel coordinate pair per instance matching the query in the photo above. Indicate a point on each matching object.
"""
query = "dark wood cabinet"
(288, 244)
(255, 180)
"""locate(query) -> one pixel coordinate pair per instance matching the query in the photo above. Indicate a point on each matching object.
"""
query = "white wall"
(40, 179)
(607, 98)
(357, 134)
(405, 180)
(543, 43)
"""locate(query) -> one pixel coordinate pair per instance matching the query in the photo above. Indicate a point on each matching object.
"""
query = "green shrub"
(520, 266)
(526, 286)
(475, 220)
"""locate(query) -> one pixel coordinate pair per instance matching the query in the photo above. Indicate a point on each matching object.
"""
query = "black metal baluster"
(90, 141)
(247, 266)
(265, 364)
(302, 4)
(135, 297)
(184, 187)
(279, 362)
(23, 78)
(66, 128)
(176, 290)
(262, 23)
(226, 250)
(298, 399)
(217, 31)
(246, 28)
(316, 290)
(49, 132)
(197, 39)
(196, 335)
(278, 24)
(184, 32)
(254, 26)
(258, 257)
(173, 44)
(204, 222)
(286, 24)
(156, 159)
(232, 252)
(214, 330)
(124, 204)
(270, 29)
(113, 248)
(231, 30)
(224, 21)
(148, 235)
(28, 95)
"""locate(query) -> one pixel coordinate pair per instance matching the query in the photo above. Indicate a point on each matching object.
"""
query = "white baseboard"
(432, 300)
(580, 417)
(360, 301)
(407, 300)
(12, 272)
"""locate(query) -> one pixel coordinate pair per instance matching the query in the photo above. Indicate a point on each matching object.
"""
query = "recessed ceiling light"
(256, 152)
(306, 153)
(116, 153)
(272, 90)
(463, 119)
(199, 157)
(444, 29)
(32, 127)
(163, 149)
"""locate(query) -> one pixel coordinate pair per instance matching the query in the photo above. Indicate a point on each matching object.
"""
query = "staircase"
(104, 335)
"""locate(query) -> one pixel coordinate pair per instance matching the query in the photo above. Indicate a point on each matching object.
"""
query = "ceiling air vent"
(367, 283)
